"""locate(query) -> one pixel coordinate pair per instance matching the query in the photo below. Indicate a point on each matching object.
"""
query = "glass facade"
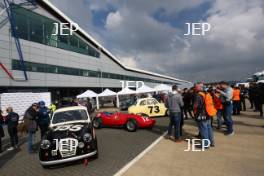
(37, 28)
(47, 68)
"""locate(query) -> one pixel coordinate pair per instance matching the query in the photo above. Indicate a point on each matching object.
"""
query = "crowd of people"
(36, 117)
(206, 102)
(201, 102)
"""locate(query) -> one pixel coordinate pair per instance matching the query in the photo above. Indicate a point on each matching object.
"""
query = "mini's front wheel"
(97, 123)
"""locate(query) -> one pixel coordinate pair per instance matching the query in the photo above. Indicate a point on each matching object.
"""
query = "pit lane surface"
(116, 148)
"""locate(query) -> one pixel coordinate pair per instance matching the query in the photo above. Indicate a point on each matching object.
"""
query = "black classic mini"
(71, 137)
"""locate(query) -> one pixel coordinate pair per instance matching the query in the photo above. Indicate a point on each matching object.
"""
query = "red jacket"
(218, 102)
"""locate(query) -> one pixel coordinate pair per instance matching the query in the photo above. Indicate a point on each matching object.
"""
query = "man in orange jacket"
(236, 101)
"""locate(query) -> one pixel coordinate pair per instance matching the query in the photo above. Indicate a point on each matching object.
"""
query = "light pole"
(100, 77)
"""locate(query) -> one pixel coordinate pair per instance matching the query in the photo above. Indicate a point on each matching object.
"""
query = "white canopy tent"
(145, 89)
(163, 87)
(126, 91)
(87, 94)
(90, 94)
(107, 93)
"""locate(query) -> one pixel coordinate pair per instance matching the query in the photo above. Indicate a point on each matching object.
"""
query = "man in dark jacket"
(30, 118)
(175, 103)
(12, 121)
(89, 106)
(43, 118)
(187, 100)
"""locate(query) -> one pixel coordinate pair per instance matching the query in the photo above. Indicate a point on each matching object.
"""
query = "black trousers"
(251, 102)
(236, 107)
(0, 144)
(43, 129)
(259, 107)
(187, 109)
(182, 123)
(243, 104)
(12, 131)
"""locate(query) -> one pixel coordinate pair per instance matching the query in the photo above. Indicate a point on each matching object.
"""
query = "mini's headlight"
(87, 137)
(45, 144)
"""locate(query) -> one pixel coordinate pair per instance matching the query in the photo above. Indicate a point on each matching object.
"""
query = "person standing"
(260, 97)
(52, 107)
(243, 96)
(227, 92)
(30, 118)
(12, 119)
(89, 106)
(2, 133)
(255, 98)
(250, 95)
(219, 107)
(174, 104)
(187, 100)
(201, 115)
(43, 118)
(236, 101)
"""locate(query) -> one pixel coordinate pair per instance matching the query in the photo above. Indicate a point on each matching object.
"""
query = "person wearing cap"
(12, 119)
(30, 118)
(43, 118)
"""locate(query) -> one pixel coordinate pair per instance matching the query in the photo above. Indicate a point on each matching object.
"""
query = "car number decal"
(69, 127)
(156, 109)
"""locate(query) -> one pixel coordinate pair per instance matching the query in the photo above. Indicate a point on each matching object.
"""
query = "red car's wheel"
(97, 123)
(131, 125)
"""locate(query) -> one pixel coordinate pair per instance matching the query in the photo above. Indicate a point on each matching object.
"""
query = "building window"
(46, 68)
(37, 28)
(52, 69)
(36, 31)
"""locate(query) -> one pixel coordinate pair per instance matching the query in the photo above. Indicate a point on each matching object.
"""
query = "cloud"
(113, 21)
(233, 49)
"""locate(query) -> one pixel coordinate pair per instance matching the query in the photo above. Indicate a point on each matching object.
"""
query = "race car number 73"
(156, 109)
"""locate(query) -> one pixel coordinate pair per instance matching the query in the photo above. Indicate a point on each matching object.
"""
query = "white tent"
(163, 87)
(90, 94)
(107, 93)
(145, 89)
(126, 91)
(87, 94)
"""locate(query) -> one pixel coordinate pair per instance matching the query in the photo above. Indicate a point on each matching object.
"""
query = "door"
(142, 107)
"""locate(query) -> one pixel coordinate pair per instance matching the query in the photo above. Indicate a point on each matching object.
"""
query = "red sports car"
(130, 121)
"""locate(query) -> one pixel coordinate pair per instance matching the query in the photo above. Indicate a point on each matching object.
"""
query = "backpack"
(209, 104)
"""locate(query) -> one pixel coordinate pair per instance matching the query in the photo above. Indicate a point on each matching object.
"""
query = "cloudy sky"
(149, 34)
